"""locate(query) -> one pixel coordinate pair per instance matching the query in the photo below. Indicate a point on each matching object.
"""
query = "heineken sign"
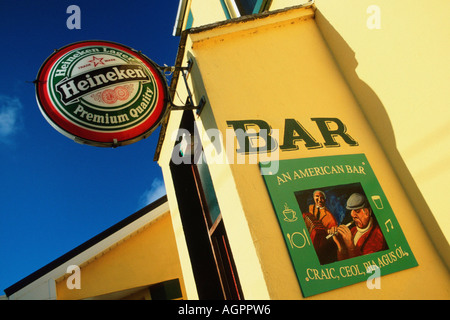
(101, 93)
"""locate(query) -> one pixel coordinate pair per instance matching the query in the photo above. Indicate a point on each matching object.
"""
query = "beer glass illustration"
(377, 201)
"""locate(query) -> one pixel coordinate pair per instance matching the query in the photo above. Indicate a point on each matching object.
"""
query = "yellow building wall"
(286, 68)
(394, 56)
(147, 257)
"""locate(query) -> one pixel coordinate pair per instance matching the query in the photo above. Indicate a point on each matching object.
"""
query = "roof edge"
(252, 17)
(181, 50)
(83, 247)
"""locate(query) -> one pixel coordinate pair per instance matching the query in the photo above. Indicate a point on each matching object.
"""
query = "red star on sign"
(96, 61)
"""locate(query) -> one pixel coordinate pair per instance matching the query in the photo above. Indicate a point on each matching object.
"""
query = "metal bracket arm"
(189, 101)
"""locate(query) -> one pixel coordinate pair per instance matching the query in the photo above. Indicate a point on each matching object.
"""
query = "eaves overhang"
(97, 243)
(221, 27)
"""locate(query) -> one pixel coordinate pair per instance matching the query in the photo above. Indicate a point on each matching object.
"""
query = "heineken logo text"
(73, 88)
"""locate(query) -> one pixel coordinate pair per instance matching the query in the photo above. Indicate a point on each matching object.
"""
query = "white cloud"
(9, 117)
(156, 191)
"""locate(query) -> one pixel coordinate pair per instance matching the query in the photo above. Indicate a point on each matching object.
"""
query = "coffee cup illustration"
(289, 214)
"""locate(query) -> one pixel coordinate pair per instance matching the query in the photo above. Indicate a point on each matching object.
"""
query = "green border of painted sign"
(288, 190)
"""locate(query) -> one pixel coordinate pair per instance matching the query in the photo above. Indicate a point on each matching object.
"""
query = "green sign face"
(337, 223)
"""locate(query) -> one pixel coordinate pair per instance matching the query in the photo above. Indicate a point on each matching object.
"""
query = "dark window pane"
(246, 6)
(208, 189)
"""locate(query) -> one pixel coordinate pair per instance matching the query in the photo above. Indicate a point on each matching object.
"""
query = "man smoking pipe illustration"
(364, 237)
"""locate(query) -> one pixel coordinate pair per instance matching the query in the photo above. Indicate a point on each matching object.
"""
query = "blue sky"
(55, 193)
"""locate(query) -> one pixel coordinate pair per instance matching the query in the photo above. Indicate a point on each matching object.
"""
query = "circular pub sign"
(101, 93)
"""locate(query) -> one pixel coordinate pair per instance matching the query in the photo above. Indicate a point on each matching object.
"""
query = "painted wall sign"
(101, 93)
(337, 223)
(294, 135)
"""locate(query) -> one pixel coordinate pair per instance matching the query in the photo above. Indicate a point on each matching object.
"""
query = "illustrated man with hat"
(365, 237)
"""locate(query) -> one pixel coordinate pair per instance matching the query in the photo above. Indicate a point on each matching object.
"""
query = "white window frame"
(232, 8)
